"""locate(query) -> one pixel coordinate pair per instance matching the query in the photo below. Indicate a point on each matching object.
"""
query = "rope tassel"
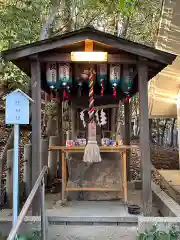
(114, 92)
(65, 95)
(91, 153)
(102, 87)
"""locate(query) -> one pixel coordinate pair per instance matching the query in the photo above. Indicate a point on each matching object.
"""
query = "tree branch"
(50, 20)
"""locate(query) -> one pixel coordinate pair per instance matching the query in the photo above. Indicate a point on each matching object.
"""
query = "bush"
(156, 234)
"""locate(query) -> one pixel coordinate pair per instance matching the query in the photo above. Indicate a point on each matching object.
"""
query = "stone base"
(107, 173)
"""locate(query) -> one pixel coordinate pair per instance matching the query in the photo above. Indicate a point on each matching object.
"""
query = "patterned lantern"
(115, 74)
(102, 77)
(51, 77)
(127, 82)
(51, 74)
(65, 79)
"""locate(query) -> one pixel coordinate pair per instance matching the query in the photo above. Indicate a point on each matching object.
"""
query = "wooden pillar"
(59, 134)
(144, 137)
(9, 178)
(52, 160)
(59, 117)
(36, 129)
(127, 135)
(44, 155)
(27, 173)
(73, 120)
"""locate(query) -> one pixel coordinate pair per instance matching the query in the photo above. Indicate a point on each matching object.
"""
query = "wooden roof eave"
(88, 33)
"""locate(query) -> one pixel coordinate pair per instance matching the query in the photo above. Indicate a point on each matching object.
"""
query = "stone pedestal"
(107, 173)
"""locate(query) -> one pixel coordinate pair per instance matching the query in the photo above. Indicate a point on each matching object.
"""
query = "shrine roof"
(20, 55)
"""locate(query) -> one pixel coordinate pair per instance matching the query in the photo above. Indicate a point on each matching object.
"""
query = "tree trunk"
(163, 131)
(172, 132)
(150, 130)
(158, 133)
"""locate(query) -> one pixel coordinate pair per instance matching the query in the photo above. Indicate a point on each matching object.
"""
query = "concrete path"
(91, 233)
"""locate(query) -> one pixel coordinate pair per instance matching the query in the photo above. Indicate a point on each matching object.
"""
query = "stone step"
(90, 213)
(120, 221)
(91, 232)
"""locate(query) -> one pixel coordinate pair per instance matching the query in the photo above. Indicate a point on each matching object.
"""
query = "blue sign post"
(17, 112)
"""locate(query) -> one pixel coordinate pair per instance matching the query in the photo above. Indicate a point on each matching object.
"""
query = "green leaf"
(121, 4)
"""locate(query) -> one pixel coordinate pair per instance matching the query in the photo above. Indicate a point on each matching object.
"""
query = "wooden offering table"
(114, 149)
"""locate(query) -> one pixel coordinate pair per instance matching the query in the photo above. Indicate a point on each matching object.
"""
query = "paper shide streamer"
(100, 120)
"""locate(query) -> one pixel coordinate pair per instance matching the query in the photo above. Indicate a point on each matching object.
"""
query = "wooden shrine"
(134, 64)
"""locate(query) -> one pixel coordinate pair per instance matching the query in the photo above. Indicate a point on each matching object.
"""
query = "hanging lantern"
(115, 74)
(102, 77)
(65, 79)
(51, 76)
(78, 82)
(83, 78)
(127, 81)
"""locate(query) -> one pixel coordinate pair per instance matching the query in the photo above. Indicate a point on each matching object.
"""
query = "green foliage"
(35, 235)
(22, 22)
(11, 77)
(126, 7)
(51, 109)
(143, 22)
(156, 234)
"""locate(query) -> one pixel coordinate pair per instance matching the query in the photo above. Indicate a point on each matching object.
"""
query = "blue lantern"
(65, 79)
(102, 76)
(51, 74)
(115, 77)
(127, 80)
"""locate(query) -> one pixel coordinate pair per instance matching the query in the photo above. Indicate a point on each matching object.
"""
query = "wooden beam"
(88, 45)
(155, 65)
(124, 176)
(36, 130)
(127, 136)
(59, 132)
(101, 107)
(82, 102)
(102, 148)
(68, 189)
(144, 137)
(63, 190)
(123, 58)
